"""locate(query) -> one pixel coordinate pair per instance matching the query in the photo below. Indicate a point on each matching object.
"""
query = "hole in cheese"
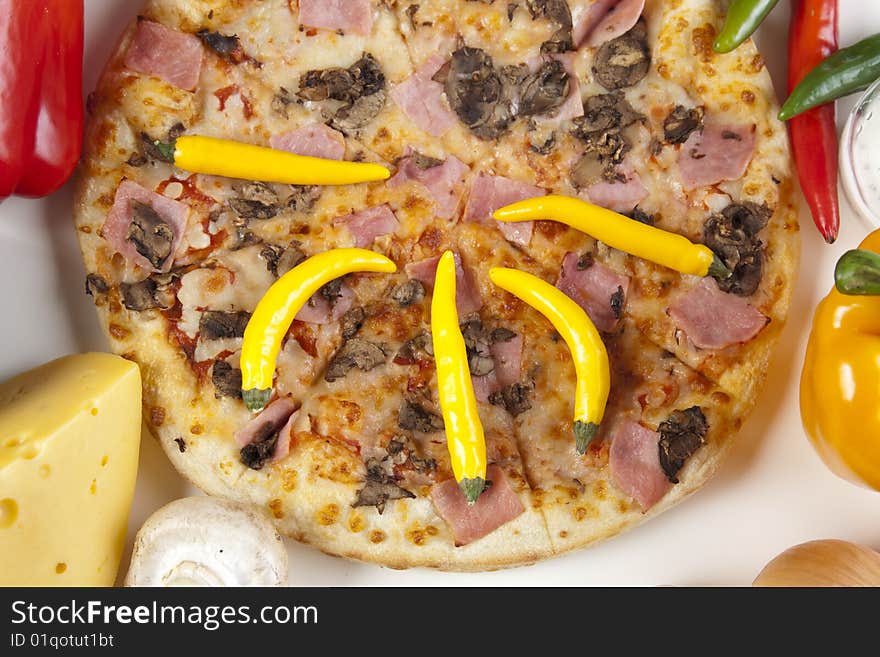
(15, 441)
(94, 411)
(8, 512)
(29, 452)
(45, 470)
(60, 568)
(104, 460)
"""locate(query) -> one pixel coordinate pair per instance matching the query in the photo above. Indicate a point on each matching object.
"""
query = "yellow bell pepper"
(464, 431)
(840, 383)
(619, 232)
(233, 159)
(583, 340)
(275, 312)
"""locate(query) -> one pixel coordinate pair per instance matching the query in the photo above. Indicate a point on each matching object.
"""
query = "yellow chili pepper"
(233, 159)
(275, 312)
(641, 240)
(583, 340)
(840, 383)
(464, 432)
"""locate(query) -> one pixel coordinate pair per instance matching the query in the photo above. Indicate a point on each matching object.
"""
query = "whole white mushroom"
(207, 541)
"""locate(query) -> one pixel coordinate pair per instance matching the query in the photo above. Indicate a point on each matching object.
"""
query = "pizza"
(472, 104)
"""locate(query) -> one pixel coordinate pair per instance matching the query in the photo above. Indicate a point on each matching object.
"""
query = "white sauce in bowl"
(860, 157)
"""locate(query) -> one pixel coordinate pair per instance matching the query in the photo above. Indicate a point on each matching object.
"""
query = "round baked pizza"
(471, 105)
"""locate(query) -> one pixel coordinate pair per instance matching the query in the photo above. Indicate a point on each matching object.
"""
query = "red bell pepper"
(41, 108)
(813, 36)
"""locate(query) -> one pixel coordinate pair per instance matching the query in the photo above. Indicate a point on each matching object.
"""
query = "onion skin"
(827, 563)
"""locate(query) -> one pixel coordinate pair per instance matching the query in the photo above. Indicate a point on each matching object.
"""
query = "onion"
(823, 563)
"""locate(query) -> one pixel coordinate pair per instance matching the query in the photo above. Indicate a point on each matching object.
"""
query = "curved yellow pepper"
(233, 159)
(662, 247)
(583, 340)
(275, 312)
(840, 383)
(464, 431)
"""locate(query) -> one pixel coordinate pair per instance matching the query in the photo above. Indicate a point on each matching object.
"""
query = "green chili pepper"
(845, 72)
(858, 273)
(743, 18)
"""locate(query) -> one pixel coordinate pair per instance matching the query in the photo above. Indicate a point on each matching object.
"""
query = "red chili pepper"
(812, 38)
(41, 109)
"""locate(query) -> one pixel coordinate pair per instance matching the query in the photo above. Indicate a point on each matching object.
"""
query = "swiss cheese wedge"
(69, 441)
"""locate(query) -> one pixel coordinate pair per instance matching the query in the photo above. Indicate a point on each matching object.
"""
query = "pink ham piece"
(484, 386)
(619, 19)
(489, 193)
(618, 196)
(586, 18)
(421, 99)
(508, 363)
(592, 289)
(445, 182)
(115, 229)
(713, 319)
(346, 15)
(635, 463)
(275, 415)
(168, 54)
(497, 505)
(316, 140)
(467, 292)
(285, 436)
(716, 154)
(508, 360)
(319, 310)
(366, 225)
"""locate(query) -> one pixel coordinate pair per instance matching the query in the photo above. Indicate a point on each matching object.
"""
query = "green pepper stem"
(718, 269)
(472, 488)
(166, 149)
(584, 432)
(858, 273)
(256, 400)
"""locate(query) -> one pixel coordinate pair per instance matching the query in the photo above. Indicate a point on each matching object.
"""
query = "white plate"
(772, 492)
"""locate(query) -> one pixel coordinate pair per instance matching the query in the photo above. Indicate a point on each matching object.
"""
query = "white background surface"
(772, 492)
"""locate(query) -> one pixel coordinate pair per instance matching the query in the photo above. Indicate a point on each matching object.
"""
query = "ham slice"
(285, 436)
(444, 182)
(618, 196)
(508, 360)
(497, 505)
(421, 99)
(318, 310)
(467, 292)
(634, 459)
(115, 229)
(489, 193)
(485, 385)
(346, 15)
(716, 154)
(713, 319)
(168, 54)
(586, 18)
(275, 414)
(508, 363)
(619, 18)
(316, 140)
(366, 225)
(592, 289)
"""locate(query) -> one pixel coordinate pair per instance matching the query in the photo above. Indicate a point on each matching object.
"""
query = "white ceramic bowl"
(860, 157)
